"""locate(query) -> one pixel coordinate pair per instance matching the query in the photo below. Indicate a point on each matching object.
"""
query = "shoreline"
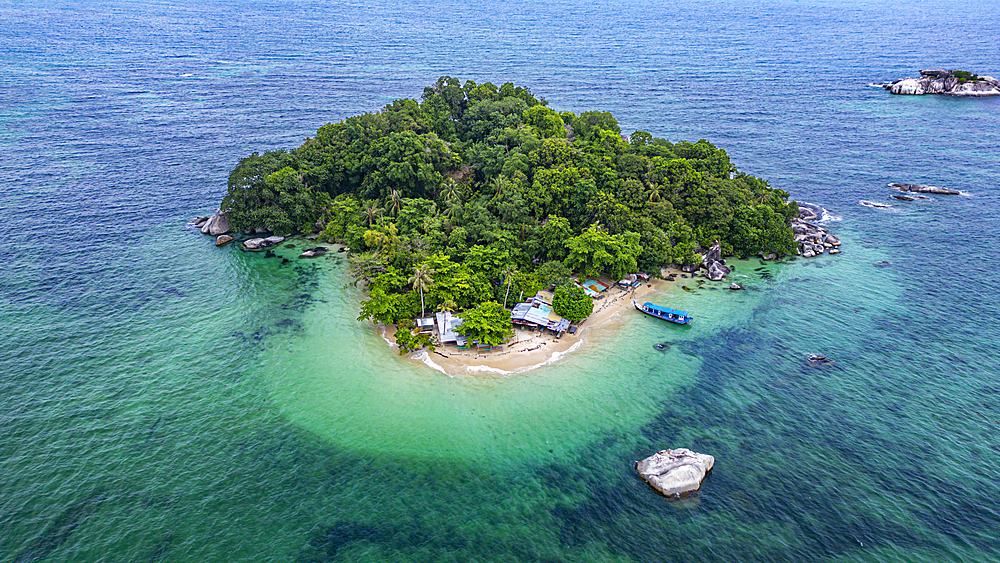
(532, 350)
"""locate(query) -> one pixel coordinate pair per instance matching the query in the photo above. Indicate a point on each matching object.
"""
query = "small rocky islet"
(910, 192)
(958, 83)
(922, 189)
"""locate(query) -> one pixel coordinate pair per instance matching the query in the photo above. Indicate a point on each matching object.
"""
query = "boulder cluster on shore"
(812, 239)
(217, 224)
(946, 82)
(714, 264)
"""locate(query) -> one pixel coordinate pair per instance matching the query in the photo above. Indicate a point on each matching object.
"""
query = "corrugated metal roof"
(538, 312)
(447, 323)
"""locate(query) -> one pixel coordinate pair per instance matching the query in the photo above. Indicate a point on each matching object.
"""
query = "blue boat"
(665, 313)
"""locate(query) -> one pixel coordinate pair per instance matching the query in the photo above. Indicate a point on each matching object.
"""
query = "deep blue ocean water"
(164, 400)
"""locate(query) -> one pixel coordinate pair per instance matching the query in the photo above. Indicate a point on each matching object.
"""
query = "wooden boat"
(667, 314)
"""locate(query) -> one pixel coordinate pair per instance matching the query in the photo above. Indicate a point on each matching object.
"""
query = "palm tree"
(421, 280)
(450, 211)
(450, 193)
(395, 200)
(498, 185)
(654, 193)
(447, 306)
(371, 211)
(508, 278)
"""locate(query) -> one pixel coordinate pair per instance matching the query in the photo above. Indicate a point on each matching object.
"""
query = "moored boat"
(665, 313)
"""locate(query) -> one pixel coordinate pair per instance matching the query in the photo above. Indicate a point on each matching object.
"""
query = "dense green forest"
(477, 195)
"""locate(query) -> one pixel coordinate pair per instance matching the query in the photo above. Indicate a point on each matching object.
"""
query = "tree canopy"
(489, 324)
(488, 194)
(571, 302)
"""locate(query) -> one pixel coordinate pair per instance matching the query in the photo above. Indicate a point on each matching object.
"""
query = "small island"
(959, 83)
(479, 208)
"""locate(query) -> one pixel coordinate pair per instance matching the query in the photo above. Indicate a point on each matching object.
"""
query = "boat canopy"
(665, 310)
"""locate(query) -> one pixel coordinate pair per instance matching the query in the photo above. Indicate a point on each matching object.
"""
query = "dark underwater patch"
(61, 529)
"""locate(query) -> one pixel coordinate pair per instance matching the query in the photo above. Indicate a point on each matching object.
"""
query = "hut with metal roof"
(537, 312)
(446, 325)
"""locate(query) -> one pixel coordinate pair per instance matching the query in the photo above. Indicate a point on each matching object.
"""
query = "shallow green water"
(165, 400)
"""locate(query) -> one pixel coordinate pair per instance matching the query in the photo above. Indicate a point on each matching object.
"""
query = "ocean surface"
(165, 400)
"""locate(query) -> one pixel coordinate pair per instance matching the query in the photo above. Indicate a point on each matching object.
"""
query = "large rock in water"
(217, 224)
(675, 472)
(717, 271)
(262, 243)
(254, 244)
(922, 189)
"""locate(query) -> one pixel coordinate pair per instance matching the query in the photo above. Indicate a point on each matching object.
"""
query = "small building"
(630, 280)
(424, 325)
(633, 280)
(446, 325)
(537, 312)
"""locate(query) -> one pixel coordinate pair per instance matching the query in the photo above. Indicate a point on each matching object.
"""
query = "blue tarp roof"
(666, 310)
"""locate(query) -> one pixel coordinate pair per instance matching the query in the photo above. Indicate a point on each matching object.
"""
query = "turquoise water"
(165, 400)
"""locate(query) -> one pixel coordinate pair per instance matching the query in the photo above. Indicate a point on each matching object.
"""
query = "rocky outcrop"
(262, 243)
(812, 239)
(946, 82)
(717, 272)
(818, 360)
(217, 224)
(223, 239)
(922, 189)
(675, 472)
(713, 262)
(714, 254)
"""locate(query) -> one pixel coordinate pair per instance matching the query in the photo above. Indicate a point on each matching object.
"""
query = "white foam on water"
(826, 216)
(425, 357)
(555, 357)
(383, 331)
(874, 205)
